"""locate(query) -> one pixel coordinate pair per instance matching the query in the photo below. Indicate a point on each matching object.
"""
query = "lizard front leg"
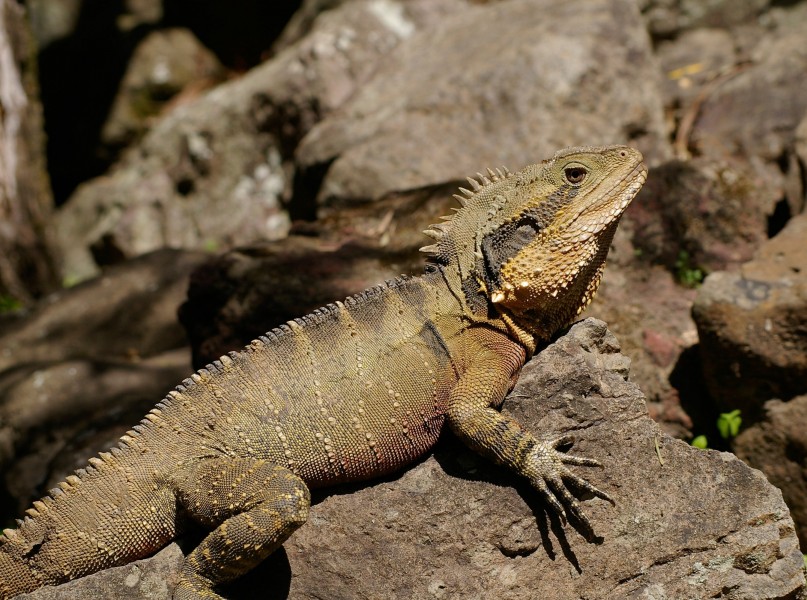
(473, 418)
(253, 506)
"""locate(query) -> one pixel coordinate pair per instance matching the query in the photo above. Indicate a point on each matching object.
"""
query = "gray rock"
(164, 64)
(752, 325)
(84, 365)
(214, 173)
(692, 60)
(151, 579)
(686, 524)
(503, 82)
(666, 18)
(777, 446)
(755, 113)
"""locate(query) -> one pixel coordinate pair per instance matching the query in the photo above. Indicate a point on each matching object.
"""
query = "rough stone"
(666, 18)
(692, 60)
(215, 172)
(754, 113)
(753, 325)
(455, 526)
(85, 364)
(710, 210)
(535, 79)
(777, 446)
(166, 63)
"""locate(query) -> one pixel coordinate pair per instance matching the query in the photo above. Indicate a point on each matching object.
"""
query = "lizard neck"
(478, 310)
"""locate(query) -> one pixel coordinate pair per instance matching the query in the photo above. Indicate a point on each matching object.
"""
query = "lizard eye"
(575, 175)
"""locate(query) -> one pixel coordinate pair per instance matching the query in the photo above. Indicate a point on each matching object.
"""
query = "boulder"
(777, 446)
(215, 172)
(83, 365)
(686, 523)
(752, 115)
(164, 64)
(752, 325)
(498, 83)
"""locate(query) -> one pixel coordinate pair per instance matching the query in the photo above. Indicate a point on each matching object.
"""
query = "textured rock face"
(753, 324)
(215, 173)
(85, 365)
(166, 63)
(777, 445)
(686, 524)
(505, 82)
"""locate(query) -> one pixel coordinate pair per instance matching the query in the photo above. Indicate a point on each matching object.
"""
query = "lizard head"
(531, 246)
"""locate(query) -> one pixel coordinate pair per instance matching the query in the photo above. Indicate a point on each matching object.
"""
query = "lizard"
(355, 390)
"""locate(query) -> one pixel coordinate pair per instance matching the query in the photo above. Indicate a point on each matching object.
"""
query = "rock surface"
(532, 81)
(753, 325)
(687, 523)
(166, 63)
(777, 445)
(85, 364)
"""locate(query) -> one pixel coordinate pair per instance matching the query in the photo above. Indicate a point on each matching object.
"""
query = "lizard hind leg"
(252, 505)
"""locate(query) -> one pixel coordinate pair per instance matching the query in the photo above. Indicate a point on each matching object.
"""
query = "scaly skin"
(355, 390)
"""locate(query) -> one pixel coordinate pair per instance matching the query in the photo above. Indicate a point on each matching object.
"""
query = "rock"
(533, 80)
(693, 59)
(455, 526)
(754, 113)
(213, 173)
(166, 63)
(752, 325)
(777, 446)
(85, 365)
(704, 209)
(151, 579)
(27, 266)
(650, 313)
(666, 18)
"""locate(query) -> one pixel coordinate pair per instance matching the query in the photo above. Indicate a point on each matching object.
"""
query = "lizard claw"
(547, 471)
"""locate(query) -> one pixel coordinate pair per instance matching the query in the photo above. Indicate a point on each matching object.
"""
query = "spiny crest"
(439, 230)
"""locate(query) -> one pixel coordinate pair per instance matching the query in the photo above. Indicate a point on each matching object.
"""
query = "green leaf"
(700, 442)
(728, 424)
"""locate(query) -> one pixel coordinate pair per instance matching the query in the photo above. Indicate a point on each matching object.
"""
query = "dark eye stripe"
(501, 245)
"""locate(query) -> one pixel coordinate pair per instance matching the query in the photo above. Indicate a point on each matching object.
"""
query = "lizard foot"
(545, 467)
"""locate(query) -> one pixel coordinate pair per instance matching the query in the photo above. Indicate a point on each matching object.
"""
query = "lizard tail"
(15, 576)
(110, 513)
